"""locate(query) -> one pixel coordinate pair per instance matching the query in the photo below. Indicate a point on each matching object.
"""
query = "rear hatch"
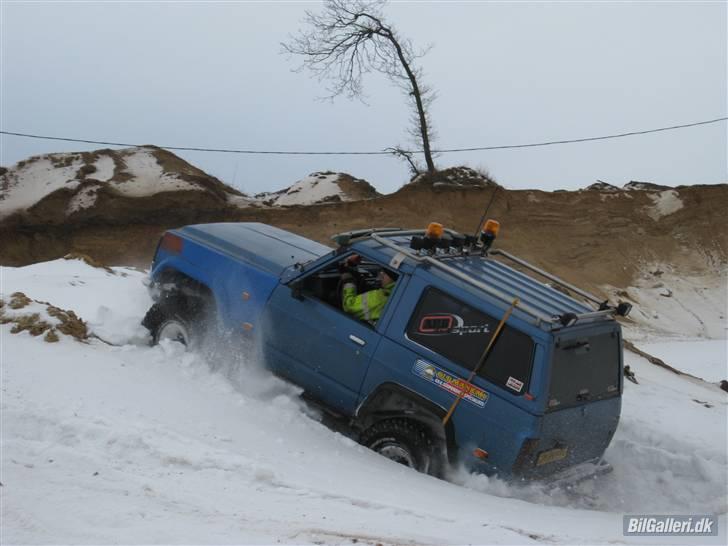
(584, 402)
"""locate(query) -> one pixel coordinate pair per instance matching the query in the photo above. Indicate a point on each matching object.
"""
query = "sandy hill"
(320, 187)
(129, 185)
(108, 185)
(662, 243)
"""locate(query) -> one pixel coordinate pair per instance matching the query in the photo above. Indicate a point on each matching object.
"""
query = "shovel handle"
(482, 361)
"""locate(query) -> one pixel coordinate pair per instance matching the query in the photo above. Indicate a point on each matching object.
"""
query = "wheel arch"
(171, 281)
(391, 400)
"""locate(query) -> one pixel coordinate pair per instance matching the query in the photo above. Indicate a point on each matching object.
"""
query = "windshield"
(584, 368)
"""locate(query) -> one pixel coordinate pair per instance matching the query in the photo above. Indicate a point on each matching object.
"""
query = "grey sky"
(212, 75)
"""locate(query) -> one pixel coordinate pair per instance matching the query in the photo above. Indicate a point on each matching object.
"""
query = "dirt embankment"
(588, 237)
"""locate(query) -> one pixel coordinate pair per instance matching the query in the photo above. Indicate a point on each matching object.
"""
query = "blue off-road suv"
(472, 361)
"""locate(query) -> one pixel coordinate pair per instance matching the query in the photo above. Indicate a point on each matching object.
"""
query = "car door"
(316, 344)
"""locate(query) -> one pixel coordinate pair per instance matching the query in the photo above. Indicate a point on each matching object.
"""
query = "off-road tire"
(175, 311)
(406, 442)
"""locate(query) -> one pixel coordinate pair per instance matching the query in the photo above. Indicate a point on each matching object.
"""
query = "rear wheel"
(405, 442)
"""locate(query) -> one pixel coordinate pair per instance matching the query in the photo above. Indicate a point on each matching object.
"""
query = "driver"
(369, 305)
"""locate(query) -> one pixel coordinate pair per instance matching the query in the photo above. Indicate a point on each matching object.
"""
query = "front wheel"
(174, 329)
(405, 442)
(171, 319)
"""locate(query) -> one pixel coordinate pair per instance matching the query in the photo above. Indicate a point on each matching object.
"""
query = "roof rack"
(345, 237)
(380, 235)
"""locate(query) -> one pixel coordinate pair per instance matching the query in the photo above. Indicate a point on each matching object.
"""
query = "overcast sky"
(212, 75)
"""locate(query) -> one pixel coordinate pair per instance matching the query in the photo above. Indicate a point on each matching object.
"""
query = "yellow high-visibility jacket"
(367, 306)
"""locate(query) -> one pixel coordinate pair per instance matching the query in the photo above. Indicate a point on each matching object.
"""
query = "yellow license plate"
(551, 455)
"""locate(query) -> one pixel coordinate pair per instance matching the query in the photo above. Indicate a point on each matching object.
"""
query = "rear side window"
(461, 333)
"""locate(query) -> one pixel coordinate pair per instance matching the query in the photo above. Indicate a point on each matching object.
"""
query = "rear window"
(584, 369)
(461, 333)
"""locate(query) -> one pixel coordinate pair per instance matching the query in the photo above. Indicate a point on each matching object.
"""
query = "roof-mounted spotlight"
(430, 240)
(568, 319)
(623, 308)
(489, 233)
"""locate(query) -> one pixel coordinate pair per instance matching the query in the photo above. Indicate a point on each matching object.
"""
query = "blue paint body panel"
(250, 269)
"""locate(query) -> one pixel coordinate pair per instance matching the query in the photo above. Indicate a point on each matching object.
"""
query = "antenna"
(492, 197)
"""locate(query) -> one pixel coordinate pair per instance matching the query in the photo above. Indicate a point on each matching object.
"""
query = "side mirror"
(296, 290)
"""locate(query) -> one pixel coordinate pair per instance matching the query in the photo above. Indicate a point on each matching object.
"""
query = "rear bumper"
(578, 473)
(567, 439)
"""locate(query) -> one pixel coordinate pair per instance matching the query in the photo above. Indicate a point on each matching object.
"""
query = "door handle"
(357, 340)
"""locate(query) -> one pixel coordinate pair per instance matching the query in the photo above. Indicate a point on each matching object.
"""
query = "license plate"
(551, 455)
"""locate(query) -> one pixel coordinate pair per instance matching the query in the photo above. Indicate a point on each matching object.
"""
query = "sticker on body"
(450, 383)
(514, 384)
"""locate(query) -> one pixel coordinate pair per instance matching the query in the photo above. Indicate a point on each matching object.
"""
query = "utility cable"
(443, 151)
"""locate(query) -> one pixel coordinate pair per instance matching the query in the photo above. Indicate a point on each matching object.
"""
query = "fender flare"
(391, 400)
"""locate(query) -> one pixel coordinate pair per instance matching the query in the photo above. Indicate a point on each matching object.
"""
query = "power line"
(443, 151)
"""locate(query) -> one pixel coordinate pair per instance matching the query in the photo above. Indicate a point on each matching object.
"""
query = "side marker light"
(172, 243)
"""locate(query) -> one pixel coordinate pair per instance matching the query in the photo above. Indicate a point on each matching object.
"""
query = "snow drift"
(109, 440)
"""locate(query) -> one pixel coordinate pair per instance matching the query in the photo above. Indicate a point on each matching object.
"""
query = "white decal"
(514, 384)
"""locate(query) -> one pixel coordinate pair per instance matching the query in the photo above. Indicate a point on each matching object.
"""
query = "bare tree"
(349, 39)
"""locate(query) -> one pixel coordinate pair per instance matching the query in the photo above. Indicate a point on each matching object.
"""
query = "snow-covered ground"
(127, 443)
(672, 304)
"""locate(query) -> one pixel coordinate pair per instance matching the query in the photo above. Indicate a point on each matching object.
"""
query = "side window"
(327, 285)
(461, 333)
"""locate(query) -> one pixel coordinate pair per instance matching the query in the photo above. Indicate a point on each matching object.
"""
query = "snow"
(34, 180)
(32, 308)
(672, 304)
(84, 199)
(239, 200)
(314, 188)
(704, 358)
(664, 204)
(128, 443)
(31, 181)
(105, 167)
(148, 177)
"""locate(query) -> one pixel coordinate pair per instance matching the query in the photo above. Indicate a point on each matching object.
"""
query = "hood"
(265, 247)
